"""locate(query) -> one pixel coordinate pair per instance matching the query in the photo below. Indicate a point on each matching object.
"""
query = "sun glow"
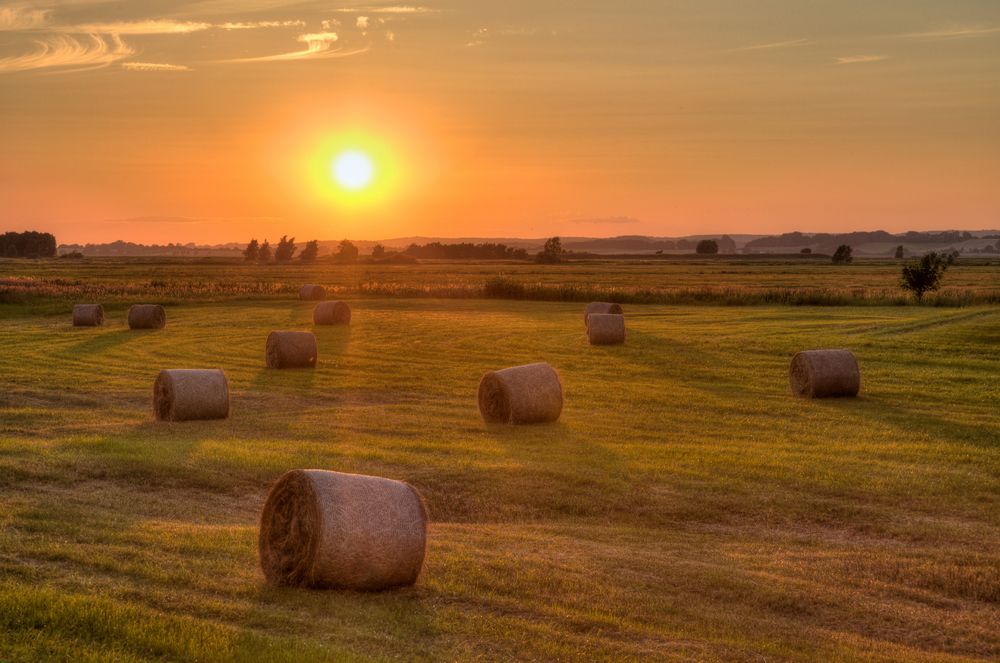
(353, 170)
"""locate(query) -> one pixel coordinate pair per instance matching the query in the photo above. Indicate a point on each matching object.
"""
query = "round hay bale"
(606, 328)
(291, 349)
(310, 291)
(329, 530)
(88, 315)
(182, 394)
(521, 395)
(823, 373)
(332, 313)
(601, 307)
(146, 316)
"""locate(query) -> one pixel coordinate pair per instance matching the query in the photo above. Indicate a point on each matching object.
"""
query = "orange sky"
(216, 120)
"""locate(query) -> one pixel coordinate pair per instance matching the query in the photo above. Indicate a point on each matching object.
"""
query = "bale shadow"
(99, 343)
(332, 339)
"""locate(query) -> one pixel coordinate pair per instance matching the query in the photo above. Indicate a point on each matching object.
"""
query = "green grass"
(684, 507)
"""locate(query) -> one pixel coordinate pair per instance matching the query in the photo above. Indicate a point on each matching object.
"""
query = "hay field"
(685, 506)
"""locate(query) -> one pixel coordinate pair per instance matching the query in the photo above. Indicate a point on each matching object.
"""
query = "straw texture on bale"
(291, 349)
(823, 373)
(312, 292)
(328, 530)
(606, 328)
(88, 315)
(332, 313)
(187, 394)
(521, 395)
(601, 307)
(146, 316)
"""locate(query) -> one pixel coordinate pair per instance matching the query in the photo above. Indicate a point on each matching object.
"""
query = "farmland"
(684, 506)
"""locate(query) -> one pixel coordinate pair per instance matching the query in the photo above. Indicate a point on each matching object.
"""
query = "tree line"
(29, 244)
(283, 252)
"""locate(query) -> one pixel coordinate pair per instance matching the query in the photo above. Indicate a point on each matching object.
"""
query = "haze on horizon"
(215, 120)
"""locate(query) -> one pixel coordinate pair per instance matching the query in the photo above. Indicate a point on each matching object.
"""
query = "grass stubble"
(685, 506)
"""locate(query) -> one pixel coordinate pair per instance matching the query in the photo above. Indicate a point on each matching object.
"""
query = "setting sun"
(353, 170)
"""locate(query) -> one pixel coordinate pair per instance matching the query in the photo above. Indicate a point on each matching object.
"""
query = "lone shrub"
(842, 256)
(925, 274)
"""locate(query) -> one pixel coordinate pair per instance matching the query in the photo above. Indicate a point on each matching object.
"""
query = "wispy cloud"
(318, 45)
(478, 38)
(362, 23)
(252, 25)
(790, 43)
(153, 66)
(860, 59)
(22, 18)
(954, 32)
(390, 9)
(150, 27)
(67, 52)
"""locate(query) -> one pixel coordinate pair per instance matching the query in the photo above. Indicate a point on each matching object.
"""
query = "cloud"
(362, 23)
(318, 45)
(790, 43)
(615, 220)
(860, 59)
(392, 9)
(252, 25)
(478, 38)
(153, 66)
(66, 52)
(330, 23)
(22, 18)
(954, 32)
(150, 27)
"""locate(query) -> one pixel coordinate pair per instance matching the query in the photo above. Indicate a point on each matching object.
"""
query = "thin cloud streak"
(153, 66)
(67, 52)
(790, 43)
(318, 45)
(397, 9)
(957, 32)
(151, 27)
(861, 59)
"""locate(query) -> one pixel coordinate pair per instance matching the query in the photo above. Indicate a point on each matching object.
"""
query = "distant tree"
(899, 252)
(842, 256)
(347, 252)
(252, 251)
(310, 252)
(806, 251)
(285, 249)
(707, 247)
(264, 253)
(378, 251)
(925, 274)
(552, 252)
(29, 244)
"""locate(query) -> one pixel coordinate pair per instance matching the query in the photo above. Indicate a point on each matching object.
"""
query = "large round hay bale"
(521, 395)
(329, 530)
(823, 373)
(310, 291)
(146, 316)
(601, 307)
(606, 328)
(88, 315)
(183, 394)
(291, 349)
(332, 313)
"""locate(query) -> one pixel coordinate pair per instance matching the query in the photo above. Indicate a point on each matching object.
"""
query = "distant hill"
(874, 243)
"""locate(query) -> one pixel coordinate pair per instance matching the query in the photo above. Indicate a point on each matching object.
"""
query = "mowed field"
(685, 506)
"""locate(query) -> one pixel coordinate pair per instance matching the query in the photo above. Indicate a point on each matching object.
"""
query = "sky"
(214, 121)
